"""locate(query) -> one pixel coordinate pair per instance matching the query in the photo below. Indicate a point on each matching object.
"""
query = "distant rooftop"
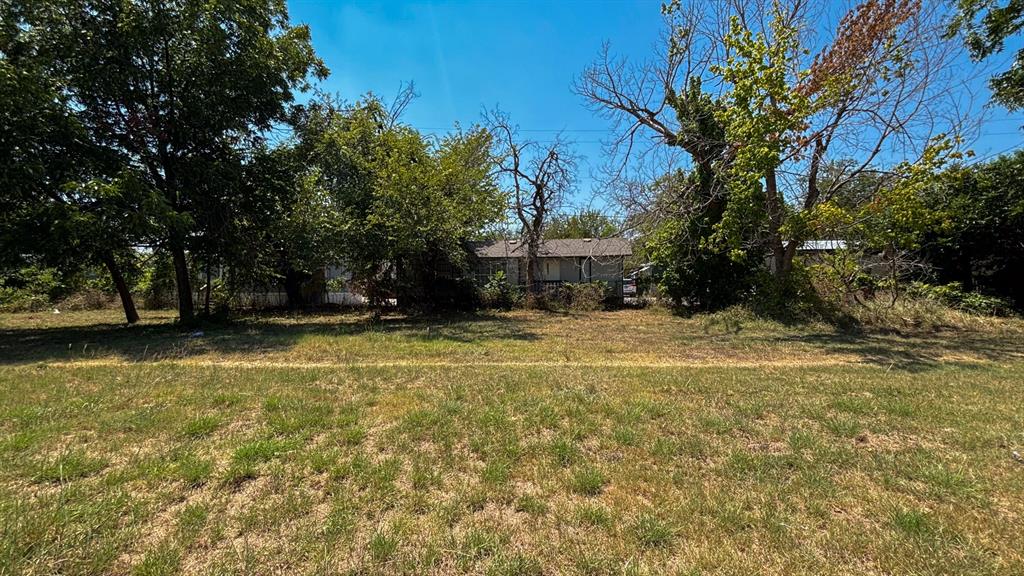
(556, 248)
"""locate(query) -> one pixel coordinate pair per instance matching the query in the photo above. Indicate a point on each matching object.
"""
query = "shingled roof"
(556, 248)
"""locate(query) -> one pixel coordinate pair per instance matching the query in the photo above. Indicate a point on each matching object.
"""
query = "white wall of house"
(557, 269)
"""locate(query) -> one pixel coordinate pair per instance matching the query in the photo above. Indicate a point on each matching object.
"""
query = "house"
(561, 260)
(821, 246)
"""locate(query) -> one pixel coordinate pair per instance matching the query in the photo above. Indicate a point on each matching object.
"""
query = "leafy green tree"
(176, 90)
(298, 236)
(986, 25)
(66, 201)
(582, 224)
(980, 242)
(400, 207)
(675, 236)
(784, 104)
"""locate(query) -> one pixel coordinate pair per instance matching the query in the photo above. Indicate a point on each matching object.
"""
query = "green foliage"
(499, 293)
(979, 234)
(30, 289)
(738, 211)
(157, 282)
(166, 100)
(954, 296)
(840, 275)
(900, 214)
(402, 207)
(987, 26)
(575, 296)
(585, 296)
(762, 115)
(692, 271)
(583, 224)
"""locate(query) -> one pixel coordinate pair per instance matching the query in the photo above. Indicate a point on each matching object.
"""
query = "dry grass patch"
(897, 460)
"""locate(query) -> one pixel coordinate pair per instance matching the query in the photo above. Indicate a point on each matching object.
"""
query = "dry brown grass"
(631, 442)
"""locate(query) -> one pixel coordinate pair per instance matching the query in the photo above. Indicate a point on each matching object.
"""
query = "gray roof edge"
(556, 248)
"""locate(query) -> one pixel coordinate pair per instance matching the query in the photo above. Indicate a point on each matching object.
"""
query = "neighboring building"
(568, 260)
(331, 285)
(821, 246)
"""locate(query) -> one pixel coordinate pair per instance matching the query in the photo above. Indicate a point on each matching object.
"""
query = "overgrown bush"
(581, 297)
(87, 299)
(794, 299)
(157, 283)
(30, 289)
(840, 278)
(954, 296)
(498, 293)
(585, 296)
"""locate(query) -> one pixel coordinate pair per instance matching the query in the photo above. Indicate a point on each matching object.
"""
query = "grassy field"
(629, 442)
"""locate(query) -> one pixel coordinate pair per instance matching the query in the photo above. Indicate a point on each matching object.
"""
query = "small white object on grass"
(55, 311)
(196, 334)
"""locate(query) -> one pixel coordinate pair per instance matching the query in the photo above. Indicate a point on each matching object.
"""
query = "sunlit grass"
(514, 450)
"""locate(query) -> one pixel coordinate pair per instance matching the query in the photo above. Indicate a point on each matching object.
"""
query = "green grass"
(520, 443)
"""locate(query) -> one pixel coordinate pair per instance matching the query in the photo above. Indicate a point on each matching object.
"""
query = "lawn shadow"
(254, 335)
(916, 353)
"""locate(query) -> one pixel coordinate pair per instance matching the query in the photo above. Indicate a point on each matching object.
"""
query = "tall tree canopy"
(176, 91)
(67, 202)
(402, 207)
(980, 242)
(582, 224)
(758, 100)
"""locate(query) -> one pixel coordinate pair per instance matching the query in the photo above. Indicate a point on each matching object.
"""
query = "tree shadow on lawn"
(264, 334)
(917, 353)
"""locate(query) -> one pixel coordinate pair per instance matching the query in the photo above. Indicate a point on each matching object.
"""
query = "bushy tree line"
(141, 128)
(978, 243)
(168, 132)
(789, 135)
(396, 207)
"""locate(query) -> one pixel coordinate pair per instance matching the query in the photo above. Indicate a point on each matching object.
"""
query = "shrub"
(585, 296)
(840, 277)
(21, 300)
(157, 283)
(30, 289)
(87, 299)
(499, 293)
(954, 296)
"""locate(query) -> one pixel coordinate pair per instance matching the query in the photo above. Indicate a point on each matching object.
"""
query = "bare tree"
(541, 175)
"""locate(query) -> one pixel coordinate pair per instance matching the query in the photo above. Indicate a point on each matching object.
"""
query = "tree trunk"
(130, 314)
(186, 309)
(788, 255)
(774, 204)
(293, 281)
(533, 265)
(206, 296)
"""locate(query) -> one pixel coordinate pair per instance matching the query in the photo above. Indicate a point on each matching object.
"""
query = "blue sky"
(521, 56)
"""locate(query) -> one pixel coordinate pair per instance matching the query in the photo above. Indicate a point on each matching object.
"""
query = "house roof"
(556, 248)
